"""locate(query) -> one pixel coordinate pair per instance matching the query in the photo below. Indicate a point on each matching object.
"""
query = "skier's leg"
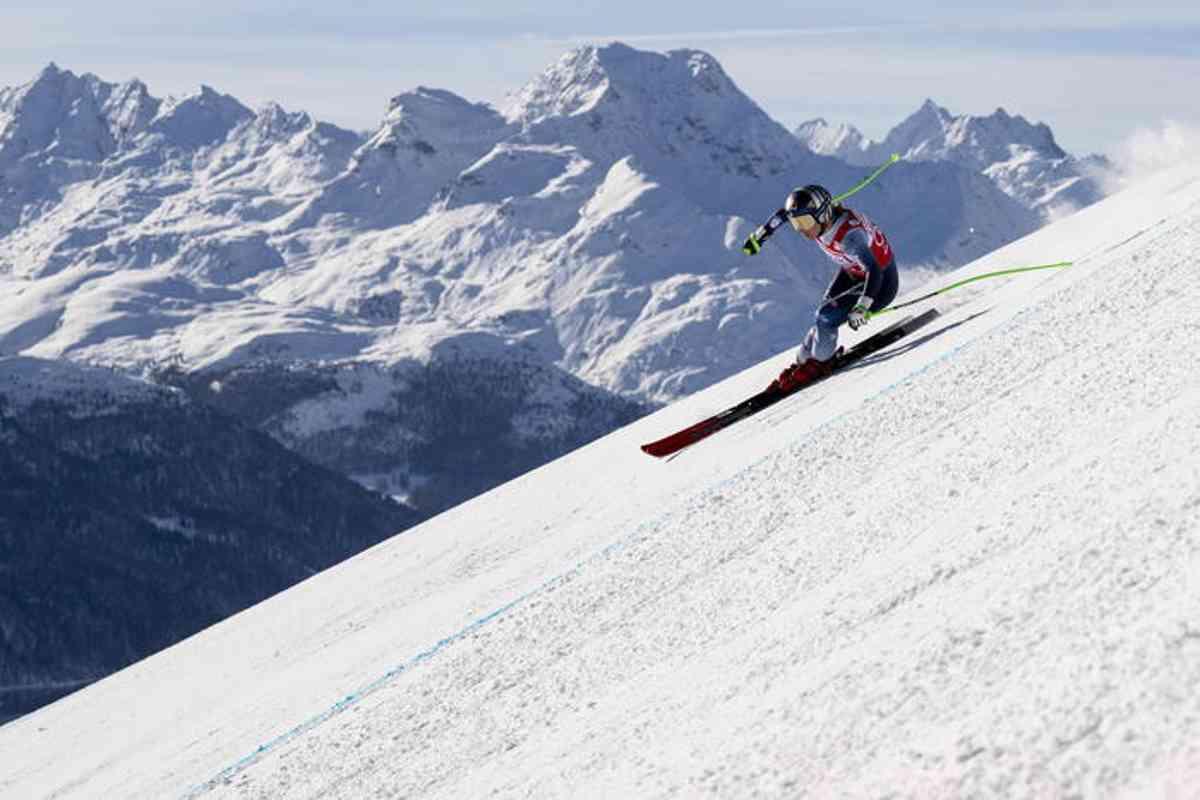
(822, 337)
(888, 288)
(805, 351)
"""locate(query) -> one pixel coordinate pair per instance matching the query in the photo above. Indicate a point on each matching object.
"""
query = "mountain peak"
(627, 69)
(58, 114)
(842, 141)
(932, 132)
(423, 114)
(273, 119)
(1020, 157)
(199, 119)
(52, 79)
(51, 70)
(587, 77)
(130, 108)
(1035, 135)
(425, 101)
(573, 84)
(930, 113)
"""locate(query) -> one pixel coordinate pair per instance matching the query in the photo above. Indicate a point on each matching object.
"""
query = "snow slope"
(964, 568)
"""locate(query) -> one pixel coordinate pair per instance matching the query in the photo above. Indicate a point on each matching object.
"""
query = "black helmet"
(813, 202)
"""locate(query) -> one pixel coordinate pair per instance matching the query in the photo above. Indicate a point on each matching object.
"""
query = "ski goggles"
(803, 220)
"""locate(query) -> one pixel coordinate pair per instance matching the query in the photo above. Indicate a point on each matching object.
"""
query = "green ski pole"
(945, 289)
(867, 180)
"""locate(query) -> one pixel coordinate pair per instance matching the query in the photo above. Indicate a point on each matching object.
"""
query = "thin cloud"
(1151, 149)
(720, 36)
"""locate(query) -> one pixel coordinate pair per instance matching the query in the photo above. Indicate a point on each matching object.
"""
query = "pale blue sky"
(1095, 75)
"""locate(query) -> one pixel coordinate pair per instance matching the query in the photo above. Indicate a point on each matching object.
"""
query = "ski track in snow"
(580, 682)
(968, 569)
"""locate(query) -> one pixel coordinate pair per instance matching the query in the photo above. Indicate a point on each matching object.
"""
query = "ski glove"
(860, 314)
(755, 241)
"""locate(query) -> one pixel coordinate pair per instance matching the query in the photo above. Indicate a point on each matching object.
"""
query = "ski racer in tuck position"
(866, 281)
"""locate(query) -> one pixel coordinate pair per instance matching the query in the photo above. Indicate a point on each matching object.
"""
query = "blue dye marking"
(229, 773)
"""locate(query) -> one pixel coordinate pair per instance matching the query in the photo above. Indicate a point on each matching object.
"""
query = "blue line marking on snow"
(226, 775)
(229, 773)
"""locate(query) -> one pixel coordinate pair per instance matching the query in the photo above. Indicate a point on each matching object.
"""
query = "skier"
(866, 281)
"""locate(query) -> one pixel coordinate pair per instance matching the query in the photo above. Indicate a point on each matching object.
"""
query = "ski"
(772, 394)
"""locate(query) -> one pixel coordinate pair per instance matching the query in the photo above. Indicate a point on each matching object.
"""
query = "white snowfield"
(969, 567)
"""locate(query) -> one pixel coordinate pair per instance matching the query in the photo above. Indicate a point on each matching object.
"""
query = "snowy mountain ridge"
(1021, 158)
(842, 140)
(597, 218)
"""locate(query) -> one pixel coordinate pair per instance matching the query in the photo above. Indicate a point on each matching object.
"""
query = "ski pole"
(945, 289)
(867, 180)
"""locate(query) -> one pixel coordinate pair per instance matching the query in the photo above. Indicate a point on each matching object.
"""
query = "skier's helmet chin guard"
(809, 208)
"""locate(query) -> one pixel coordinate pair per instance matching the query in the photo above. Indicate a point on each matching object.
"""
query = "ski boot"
(799, 374)
(804, 370)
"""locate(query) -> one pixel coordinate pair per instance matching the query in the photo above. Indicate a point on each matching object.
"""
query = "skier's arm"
(755, 242)
(858, 246)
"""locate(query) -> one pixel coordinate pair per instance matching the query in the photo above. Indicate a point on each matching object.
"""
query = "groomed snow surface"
(967, 567)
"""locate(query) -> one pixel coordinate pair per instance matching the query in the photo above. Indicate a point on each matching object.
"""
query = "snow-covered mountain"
(596, 218)
(164, 256)
(966, 568)
(1020, 157)
(842, 140)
